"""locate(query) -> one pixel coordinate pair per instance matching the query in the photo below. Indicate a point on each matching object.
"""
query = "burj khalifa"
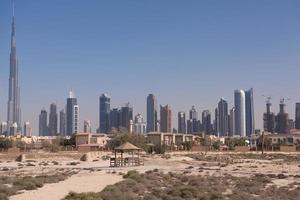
(13, 107)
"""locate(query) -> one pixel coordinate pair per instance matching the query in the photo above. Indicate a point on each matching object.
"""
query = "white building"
(13, 130)
(76, 119)
(240, 113)
(3, 128)
(87, 128)
(139, 125)
(27, 129)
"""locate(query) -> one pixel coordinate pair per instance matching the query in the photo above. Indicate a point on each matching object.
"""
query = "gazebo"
(122, 161)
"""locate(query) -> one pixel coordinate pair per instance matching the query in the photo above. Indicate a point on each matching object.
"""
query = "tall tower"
(240, 112)
(250, 128)
(126, 116)
(297, 116)
(43, 128)
(181, 122)
(52, 127)
(13, 105)
(62, 122)
(222, 118)
(104, 111)
(151, 113)
(72, 115)
(165, 119)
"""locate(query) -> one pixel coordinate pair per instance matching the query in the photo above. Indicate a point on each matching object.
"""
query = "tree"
(118, 139)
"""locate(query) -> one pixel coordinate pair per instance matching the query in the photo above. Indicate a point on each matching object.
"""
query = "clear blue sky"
(185, 52)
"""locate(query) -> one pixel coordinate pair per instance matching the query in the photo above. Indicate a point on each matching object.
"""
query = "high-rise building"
(151, 113)
(232, 122)
(193, 113)
(181, 123)
(165, 119)
(43, 128)
(13, 130)
(297, 116)
(72, 115)
(240, 113)
(206, 122)
(282, 119)
(222, 118)
(104, 106)
(62, 122)
(193, 124)
(13, 107)
(216, 122)
(87, 127)
(115, 118)
(250, 127)
(27, 129)
(269, 118)
(139, 125)
(4, 128)
(52, 127)
(126, 116)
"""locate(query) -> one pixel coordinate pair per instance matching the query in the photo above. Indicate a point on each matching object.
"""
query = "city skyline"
(37, 56)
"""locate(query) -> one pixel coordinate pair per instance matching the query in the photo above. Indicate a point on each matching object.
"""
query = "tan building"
(169, 139)
(91, 142)
(165, 119)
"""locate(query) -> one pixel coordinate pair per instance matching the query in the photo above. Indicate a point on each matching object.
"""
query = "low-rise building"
(91, 142)
(169, 139)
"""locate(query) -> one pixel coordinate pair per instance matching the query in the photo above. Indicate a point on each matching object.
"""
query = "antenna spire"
(13, 7)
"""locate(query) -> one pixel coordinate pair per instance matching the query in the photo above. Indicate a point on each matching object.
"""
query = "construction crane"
(283, 100)
(268, 99)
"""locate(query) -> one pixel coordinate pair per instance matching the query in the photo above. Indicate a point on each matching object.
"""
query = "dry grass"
(11, 185)
(154, 185)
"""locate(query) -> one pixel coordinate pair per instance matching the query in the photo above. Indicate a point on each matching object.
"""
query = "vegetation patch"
(155, 185)
(10, 185)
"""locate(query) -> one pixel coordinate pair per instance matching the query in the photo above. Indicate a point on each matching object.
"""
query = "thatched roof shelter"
(127, 147)
(128, 161)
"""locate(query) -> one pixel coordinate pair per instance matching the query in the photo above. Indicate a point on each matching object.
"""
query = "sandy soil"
(96, 175)
(82, 182)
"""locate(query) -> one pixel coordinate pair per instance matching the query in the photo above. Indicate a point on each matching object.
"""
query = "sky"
(185, 52)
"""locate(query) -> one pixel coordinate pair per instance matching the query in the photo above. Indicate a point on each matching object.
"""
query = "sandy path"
(82, 182)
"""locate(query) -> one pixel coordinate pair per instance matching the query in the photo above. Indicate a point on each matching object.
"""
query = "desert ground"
(95, 175)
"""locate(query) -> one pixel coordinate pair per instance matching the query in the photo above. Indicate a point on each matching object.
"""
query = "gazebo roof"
(127, 147)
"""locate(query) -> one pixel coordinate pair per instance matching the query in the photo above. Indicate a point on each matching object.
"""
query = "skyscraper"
(13, 107)
(250, 128)
(62, 122)
(151, 113)
(27, 129)
(181, 122)
(206, 122)
(52, 127)
(72, 115)
(282, 119)
(165, 119)
(115, 118)
(3, 128)
(87, 127)
(126, 116)
(139, 125)
(43, 128)
(222, 118)
(297, 116)
(193, 113)
(269, 118)
(104, 106)
(193, 123)
(240, 113)
(232, 122)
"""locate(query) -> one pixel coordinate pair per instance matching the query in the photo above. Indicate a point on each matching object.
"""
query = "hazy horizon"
(186, 53)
